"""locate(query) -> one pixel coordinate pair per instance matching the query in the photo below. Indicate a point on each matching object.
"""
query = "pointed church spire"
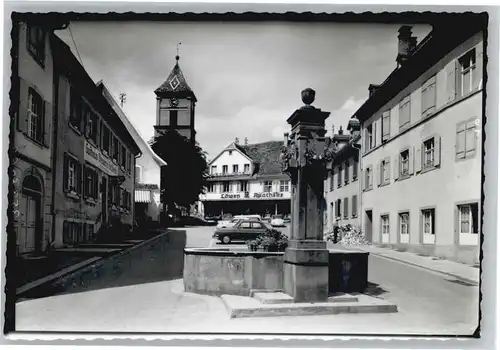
(175, 85)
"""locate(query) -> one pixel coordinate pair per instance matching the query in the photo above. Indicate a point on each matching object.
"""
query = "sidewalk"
(460, 271)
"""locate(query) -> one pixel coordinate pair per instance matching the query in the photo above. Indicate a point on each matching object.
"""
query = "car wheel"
(226, 239)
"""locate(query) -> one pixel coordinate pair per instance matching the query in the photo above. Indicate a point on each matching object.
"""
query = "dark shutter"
(46, 121)
(65, 173)
(22, 117)
(78, 178)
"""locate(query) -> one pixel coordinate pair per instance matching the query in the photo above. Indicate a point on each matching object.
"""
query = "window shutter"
(418, 159)
(470, 138)
(85, 182)
(79, 171)
(380, 176)
(98, 131)
(437, 150)
(410, 160)
(388, 162)
(477, 75)
(374, 138)
(386, 125)
(460, 141)
(46, 120)
(346, 207)
(354, 205)
(451, 80)
(65, 173)
(397, 166)
(22, 117)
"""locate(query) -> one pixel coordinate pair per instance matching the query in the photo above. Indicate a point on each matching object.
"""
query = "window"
(105, 138)
(384, 178)
(90, 185)
(243, 186)
(369, 138)
(35, 42)
(245, 224)
(428, 159)
(339, 176)
(225, 186)
(130, 159)
(224, 169)
(210, 188)
(76, 107)
(346, 172)
(332, 213)
(468, 216)
(268, 186)
(346, 208)
(405, 163)
(230, 153)
(468, 71)
(72, 232)
(404, 112)
(429, 96)
(354, 170)
(247, 168)
(138, 174)
(115, 148)
(354, 203)
(332, 184)
(173, 118)
(428, 221)
(368, 178)
(284, 187)
(384, 219)
(256, 225)
(404, 223)
(386, 126)
(337, 208)
(91, 124)
(72, 175)
(466, 139)
(35, 116)
(123, 157)
(213, 169)
(235, 168)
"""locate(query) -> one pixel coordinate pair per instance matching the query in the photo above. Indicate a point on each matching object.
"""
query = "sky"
(247, 77)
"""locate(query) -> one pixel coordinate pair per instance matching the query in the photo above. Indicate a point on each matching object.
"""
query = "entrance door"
(30, 233)
(104, 198)
(368, 225)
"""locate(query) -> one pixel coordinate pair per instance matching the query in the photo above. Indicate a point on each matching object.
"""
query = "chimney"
(405, 42)
(246, 141)
(372, 88)
(237, 141)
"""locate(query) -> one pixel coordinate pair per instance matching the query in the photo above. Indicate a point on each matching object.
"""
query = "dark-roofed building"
(247, 179)
(175, 105)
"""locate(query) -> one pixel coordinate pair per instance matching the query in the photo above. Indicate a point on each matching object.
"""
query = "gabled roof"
(175, 85)
(266, 155)
(143, 145)
(231, 146)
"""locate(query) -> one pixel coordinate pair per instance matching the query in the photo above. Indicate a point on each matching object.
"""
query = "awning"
(143, 196)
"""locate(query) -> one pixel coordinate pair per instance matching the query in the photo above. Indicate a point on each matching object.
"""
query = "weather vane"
(177, 57)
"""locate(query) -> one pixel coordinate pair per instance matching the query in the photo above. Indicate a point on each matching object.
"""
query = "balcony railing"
(241, 173)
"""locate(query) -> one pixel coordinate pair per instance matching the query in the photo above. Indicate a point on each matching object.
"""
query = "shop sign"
(94, 156)
(268, 195)
(247, 195)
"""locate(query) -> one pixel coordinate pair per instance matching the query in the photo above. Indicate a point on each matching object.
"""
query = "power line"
(74, 43)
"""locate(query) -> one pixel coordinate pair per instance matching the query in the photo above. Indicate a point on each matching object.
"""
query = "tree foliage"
(186, 173)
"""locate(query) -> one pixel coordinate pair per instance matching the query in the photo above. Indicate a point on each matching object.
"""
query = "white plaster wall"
(225, 158)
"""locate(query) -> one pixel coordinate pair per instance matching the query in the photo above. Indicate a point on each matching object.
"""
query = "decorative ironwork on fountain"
(307, 147)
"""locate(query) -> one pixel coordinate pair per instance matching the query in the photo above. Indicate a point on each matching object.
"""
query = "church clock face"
(174, 102)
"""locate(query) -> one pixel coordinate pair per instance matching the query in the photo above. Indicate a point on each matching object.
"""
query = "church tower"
(175, 104)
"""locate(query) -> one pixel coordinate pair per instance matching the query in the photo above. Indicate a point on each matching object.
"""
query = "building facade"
(32, 113)
(247, 179)
(147, 168)
(94, 156)
(422, 150)
(342, 185)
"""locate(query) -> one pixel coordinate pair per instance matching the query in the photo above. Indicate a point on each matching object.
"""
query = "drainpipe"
(360, 184)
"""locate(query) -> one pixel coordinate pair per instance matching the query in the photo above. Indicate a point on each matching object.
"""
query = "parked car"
(287, 219)
(243, 230)
(277, 221)
(225, 220)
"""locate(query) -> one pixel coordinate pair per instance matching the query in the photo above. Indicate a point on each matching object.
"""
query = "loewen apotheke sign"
(94, 156)
(257, 195)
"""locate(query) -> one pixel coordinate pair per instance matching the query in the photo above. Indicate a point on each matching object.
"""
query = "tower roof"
(175, 85)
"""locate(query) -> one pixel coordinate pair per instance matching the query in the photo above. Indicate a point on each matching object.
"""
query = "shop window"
(35, 42)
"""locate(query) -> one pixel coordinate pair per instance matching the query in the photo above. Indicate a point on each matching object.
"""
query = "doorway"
(30, 233)
(368, 225)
